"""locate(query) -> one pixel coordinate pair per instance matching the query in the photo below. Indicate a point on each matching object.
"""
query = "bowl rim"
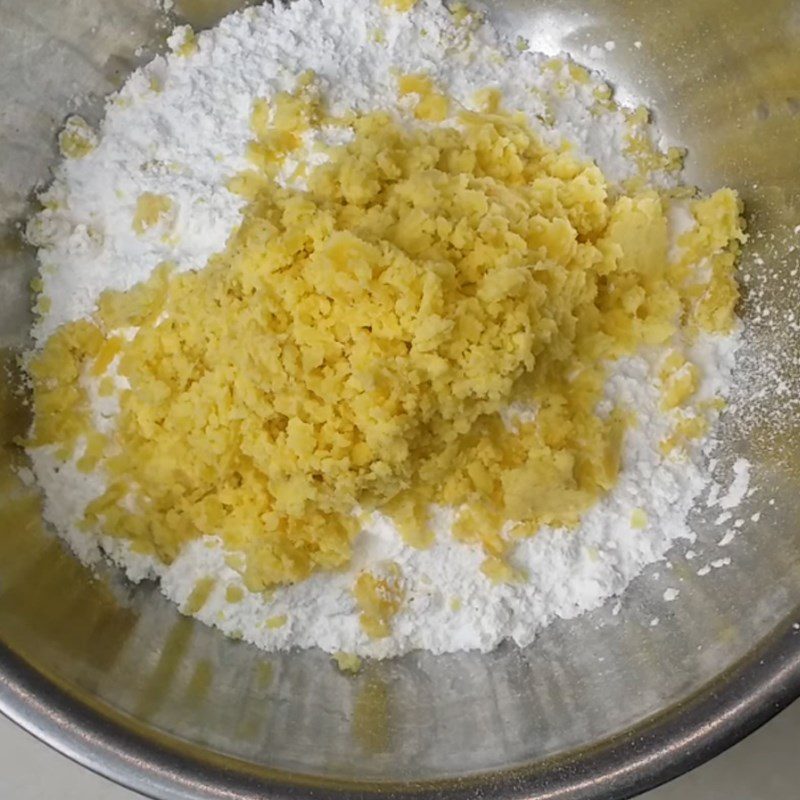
(659, 748)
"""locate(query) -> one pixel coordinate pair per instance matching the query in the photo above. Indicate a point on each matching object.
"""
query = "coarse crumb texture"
(446, 380)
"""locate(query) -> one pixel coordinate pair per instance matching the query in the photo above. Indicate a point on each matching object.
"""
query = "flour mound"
(179, 129)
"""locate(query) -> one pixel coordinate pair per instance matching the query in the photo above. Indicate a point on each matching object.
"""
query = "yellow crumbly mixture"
(352, 347)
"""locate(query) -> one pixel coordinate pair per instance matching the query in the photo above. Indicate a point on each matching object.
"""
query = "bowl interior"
(721, 77)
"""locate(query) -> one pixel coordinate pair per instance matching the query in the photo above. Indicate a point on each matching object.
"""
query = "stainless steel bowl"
(601, 707)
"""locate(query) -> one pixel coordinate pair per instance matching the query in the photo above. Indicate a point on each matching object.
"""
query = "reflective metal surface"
(600, 707)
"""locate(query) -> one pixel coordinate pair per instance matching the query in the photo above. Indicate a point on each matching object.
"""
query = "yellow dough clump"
(188, 45)
(431, 105)
(680, 380)
(379, 597)
(399, 5)
(200, 594)
(151, 209)
(353, 345)
(77, 139)
(348, 663)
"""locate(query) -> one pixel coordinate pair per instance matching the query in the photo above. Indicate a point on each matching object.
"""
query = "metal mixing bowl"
(599, 707)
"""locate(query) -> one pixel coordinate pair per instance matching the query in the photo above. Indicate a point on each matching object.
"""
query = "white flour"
(185, 141)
